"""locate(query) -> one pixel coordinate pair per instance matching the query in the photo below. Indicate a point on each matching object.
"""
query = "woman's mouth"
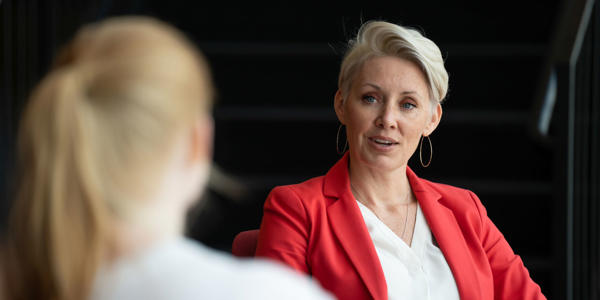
(382, 142)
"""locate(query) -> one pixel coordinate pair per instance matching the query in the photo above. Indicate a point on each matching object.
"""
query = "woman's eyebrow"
(373, 85)
(409, 92)
(379, 89)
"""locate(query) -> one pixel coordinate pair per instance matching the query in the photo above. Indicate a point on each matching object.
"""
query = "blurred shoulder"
(259, 279)
(188, 270)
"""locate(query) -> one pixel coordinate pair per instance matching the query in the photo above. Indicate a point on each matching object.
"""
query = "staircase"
(276, 71)
(275, 123)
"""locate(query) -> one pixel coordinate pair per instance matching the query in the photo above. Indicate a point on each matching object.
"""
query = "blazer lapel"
(348, 224)
(448, 234)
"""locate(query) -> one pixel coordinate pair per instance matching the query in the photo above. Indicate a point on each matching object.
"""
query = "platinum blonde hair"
(378, 38)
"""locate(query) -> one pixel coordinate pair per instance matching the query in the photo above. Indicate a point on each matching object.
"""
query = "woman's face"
(386, 112)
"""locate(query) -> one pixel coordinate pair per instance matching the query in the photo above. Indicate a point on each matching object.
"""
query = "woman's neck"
(380, 188)
(147, 228)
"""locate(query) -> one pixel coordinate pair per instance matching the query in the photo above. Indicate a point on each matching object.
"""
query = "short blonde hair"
(378, 38)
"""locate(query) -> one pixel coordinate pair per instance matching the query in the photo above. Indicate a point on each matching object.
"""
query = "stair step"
(494, 83)
(463, 150)
(327, 114)
(250, 49)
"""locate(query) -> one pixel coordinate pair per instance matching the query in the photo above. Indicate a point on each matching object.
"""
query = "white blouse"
(419, 271)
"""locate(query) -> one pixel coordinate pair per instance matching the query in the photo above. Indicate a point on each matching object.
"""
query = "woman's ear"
(338, 104)
(201, 140)
(434, 121)
(197, 163)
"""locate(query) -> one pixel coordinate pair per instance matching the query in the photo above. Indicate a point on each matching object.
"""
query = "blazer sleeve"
(511, 278)
(284, 230)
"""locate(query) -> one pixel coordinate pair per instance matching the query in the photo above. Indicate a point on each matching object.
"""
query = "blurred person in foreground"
(371, 228)
(115, 144)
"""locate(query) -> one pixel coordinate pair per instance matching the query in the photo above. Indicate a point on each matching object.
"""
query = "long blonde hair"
(95, 134)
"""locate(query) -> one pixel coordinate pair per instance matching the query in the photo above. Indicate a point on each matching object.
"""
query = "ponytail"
(58, 219)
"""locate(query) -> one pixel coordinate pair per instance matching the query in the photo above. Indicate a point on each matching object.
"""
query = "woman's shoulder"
(236, 278)
(451, 195)
(307, 197)
(307, 189)
(446, 189)
(190, 270)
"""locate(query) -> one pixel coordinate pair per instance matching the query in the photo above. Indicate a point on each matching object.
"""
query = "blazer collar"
(349, 226)
(448, 234)
(337, 182)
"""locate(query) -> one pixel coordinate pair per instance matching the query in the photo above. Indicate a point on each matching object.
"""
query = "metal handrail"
(565, 49)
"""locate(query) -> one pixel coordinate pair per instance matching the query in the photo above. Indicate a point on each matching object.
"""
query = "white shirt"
(183, 269)
(419, 271)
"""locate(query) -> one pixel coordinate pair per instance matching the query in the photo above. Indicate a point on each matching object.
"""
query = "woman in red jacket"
(370, 228)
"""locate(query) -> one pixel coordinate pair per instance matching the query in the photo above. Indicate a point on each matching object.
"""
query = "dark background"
(275, 67)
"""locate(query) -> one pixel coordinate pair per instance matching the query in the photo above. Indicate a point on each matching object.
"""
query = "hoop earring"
(421, 151)
(337, 141)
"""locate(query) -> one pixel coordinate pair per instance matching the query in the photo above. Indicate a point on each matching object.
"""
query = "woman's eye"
(408, 105)
(369, 99)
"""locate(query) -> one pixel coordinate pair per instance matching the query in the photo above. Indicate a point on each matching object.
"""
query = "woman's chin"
(386, 162)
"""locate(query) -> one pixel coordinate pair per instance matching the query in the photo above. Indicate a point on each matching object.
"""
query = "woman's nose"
(386, 118)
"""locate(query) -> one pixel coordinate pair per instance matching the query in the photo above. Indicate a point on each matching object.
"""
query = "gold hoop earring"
(421, 151)
(337, 141)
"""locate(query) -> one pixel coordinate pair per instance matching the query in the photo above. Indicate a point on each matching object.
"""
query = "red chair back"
(244, 243)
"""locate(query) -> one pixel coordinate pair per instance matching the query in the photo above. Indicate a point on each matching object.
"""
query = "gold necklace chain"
(359, 197)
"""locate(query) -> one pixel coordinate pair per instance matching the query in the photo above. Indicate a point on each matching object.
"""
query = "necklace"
(405, 221)
(406, 208)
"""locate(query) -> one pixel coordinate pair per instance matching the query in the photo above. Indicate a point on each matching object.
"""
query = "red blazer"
(316, 227)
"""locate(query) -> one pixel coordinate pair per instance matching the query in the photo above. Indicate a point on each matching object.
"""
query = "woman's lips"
(382, 142)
